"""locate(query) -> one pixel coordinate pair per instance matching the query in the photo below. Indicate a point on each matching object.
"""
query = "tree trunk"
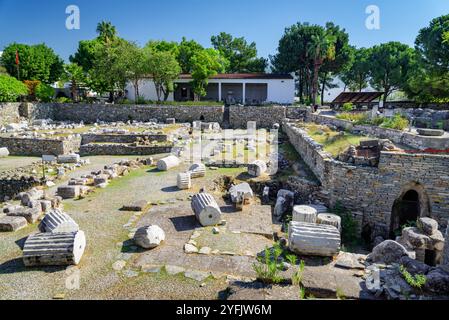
(315, 83)
(74, 91)
(323, 88)
(111, 96)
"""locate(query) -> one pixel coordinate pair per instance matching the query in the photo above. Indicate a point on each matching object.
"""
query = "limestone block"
(241, 193)
(4, 152)
(304, 213)
(197, 170)
(57, 221)
(30, 214)
(54, 249)
(387, 252)
(69, 192)
(313, 239)
(183, 181)
(69, 158)
(45, 205)
(206, 209)
(11, 223)
(149, 237)
(329, 219)
(168, 163)
(257, 168)
(101, 178)
(427, 225)
(31, 195)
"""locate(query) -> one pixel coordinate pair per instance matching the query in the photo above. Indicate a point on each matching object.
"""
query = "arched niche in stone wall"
(412, 203)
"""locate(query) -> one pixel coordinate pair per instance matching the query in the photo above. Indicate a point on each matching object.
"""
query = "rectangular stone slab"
(8, 223)
(255, 219)
(135, 206)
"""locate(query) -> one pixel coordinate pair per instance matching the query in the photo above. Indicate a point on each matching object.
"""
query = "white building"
(243, 88)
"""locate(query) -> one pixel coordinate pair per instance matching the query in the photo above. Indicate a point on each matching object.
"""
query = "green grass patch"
(333, 142)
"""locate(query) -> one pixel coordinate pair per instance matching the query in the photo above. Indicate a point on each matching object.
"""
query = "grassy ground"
(332, 141)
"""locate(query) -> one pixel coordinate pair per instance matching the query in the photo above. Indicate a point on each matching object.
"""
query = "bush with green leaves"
(348, 106)
(268, 265)
(397, 122)
(44, 92)
(11, 89)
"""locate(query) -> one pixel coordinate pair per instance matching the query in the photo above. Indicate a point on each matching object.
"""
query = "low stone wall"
(90, 113)
(10, 187)
(373, 191)
(309, 150)
(34, 111)
(122, 149)
(38, 147)
(264, 116)
(396, 136)
(121, 138)
(9, 112)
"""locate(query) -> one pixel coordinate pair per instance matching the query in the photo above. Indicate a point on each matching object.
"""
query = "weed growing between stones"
(417, 281)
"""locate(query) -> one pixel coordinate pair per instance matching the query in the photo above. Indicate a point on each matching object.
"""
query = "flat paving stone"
(174, 270)
(196, 275)
(255, 219)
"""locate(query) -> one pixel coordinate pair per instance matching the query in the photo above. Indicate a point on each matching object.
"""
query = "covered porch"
(227, 92)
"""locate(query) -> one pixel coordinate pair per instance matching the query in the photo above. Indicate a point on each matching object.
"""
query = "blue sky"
(262, 21)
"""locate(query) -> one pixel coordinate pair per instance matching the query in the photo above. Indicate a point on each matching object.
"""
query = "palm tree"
(106, 31)
(321, 47)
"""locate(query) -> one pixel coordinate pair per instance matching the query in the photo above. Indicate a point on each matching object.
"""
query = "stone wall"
(373, 191)
(121, 138)
(122, 149)
(34, 111)
(9, 112)
(38, 147)
(90, 113)
(265, 116)
(10, 187)
(400, 137)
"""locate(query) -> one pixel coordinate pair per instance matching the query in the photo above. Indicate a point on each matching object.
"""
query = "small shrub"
(44, 92)
(397, 122)
(357, 118)
(348, 106)
(349, 234)
(63, 100)
(417, 281)
(32, 86)
(267, 268)
(11, 89)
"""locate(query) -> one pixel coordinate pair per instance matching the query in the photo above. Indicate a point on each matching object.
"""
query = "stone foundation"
(95, 149)
(38, 147)
(373, 190)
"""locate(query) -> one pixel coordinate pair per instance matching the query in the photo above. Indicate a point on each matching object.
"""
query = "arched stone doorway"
(412, 203)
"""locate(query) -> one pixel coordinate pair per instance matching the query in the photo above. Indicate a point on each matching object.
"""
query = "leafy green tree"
(85, 54)
(44, 92)
(138, 66)
(391, 66)
(297, 53)
(205, 64)
(11, 89)
(356, 77)
(242, 56)
(432, 44)
(187, 49)
(430, 80)
(341, 60)
(36, 62)
(162, 45)
(165, 70)
(76, 76)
